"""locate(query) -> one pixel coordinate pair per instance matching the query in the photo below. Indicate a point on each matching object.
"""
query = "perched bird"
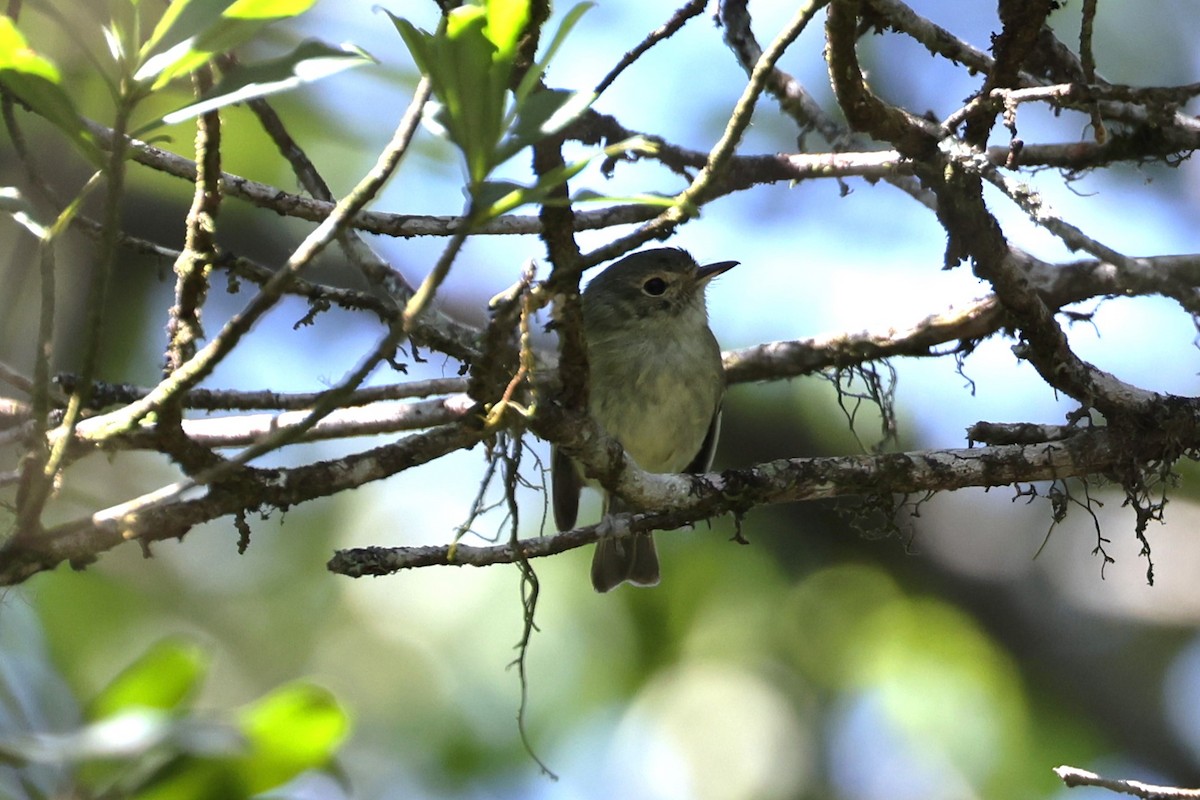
(655, 385)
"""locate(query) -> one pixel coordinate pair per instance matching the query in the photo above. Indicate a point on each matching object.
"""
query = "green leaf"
(195, 779)
(469, 75)
(506, 21)
(464, 19)
(293, 729)
(181, 24)
(16, 55)
(543, 114)
(418, 41)
(310, 61)
(493, 194)
(494, 198)
(13, 203)
(191, 32)
(531, 78)
(650, 200)
(268, 9)
(35, 81)
(469, 64)
(163, 678)
(474, 102)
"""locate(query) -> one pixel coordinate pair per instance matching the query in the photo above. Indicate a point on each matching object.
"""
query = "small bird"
(655, 384)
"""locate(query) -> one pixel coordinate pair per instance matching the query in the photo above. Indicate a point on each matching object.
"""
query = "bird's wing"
(708, 449)
(564, 477)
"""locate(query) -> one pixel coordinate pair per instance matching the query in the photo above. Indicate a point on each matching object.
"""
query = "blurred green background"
(820, 661)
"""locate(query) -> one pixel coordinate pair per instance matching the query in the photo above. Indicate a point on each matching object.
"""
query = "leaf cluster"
(483, 106)
(143, 737)
(188, 36)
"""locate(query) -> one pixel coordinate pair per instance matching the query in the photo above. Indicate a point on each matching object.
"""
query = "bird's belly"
(660, 419)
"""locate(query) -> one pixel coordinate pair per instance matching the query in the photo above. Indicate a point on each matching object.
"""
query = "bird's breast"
(657, 398)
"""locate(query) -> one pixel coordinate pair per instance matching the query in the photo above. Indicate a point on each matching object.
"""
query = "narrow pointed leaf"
(193, 31)
(15, 204)
(180, 26)
(532, 76)
(268, 9)
(543, 114)
(417, 40)
(474, 102)
(163, 678)
(310, 61)
(649, 200)
(506, 21)
(490, 194)
(35, 81)
(505, 196)
(293, 729)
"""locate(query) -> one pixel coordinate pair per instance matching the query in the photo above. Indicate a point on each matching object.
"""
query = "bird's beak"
(709, 271)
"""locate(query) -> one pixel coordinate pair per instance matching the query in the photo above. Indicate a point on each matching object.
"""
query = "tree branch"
(168, 516)
(1073, 777)
(691, 498)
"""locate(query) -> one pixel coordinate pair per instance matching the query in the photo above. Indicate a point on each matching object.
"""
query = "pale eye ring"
(654, 286)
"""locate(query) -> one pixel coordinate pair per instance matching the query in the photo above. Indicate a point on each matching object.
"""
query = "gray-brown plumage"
(655, 384)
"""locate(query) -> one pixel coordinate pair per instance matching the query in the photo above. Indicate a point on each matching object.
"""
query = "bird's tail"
(629, 558)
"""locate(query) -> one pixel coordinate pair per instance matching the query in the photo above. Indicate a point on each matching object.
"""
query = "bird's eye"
(654, 287)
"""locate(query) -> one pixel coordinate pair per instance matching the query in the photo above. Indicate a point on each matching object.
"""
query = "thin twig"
(81, 540)
(400, 225)
(198, 367)
(395, 289)
(1073, 777)
(105, 394)
(366, 420)
(1087, 59)
(942, 42)
(330, 400)
(691, 9)
(199, 249)
(688, 202)
(31, 502)
(795, 101)
(367, 188)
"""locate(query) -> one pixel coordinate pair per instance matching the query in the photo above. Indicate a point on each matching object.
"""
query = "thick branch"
(693, 498)
(1021, 20)
(250, 489)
